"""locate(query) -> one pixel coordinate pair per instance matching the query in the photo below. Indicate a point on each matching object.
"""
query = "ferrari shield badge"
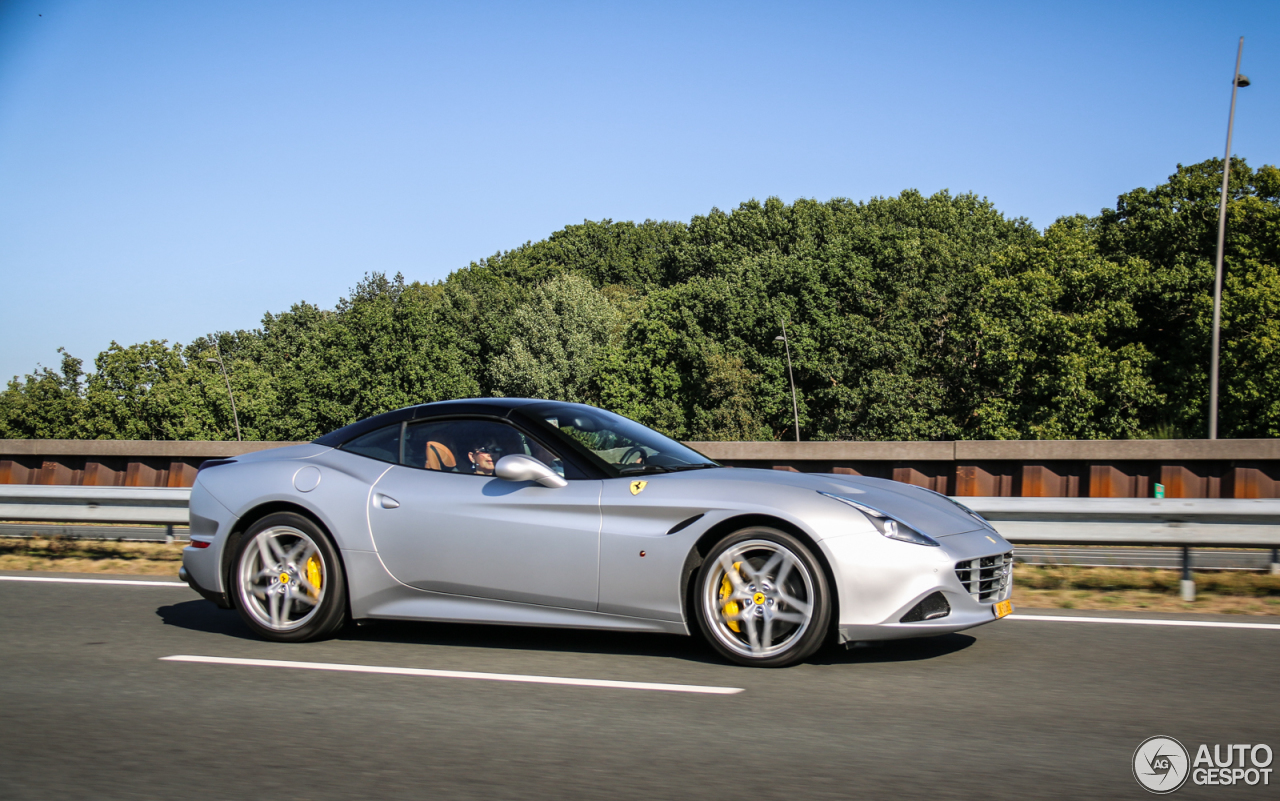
(638, 486)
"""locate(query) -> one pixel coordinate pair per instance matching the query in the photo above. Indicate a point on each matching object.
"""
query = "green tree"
(384, 347)
(909, 317)
(1045, 353)
(1174, 227)
(141, 392)
(559, 336)
(45, 405)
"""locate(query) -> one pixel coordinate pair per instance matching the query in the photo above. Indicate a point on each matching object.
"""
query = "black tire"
(746, 614)
(273, 580)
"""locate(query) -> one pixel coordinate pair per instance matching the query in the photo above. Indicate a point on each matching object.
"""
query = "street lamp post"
(1237, 81)
(795, 406)
(218, 360)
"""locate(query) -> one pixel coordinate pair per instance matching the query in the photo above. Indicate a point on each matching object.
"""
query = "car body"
(589, 520)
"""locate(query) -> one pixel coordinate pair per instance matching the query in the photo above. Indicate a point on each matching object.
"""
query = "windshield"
(624, 447)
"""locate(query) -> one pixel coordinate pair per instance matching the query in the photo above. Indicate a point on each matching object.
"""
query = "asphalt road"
(1016, 709)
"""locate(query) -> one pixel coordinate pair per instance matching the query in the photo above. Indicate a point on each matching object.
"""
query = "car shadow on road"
(911, 650)
(532, 638)
(201, 615)
(204, 616)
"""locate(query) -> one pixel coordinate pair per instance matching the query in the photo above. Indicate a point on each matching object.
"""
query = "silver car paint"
(338, 501)
(382, 597)
(650, 585)
(876, 579)
(881, 579)
(486, 537)
(209, 522)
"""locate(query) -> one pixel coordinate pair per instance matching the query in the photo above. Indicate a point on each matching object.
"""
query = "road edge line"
(1137, 621)
(455, 674)
(130, 582)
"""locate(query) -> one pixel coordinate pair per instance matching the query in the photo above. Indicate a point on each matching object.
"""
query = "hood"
(922, 509)
(925, 511)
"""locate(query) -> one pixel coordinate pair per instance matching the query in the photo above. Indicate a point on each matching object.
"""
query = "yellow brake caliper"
(313, 575)
(730, 608)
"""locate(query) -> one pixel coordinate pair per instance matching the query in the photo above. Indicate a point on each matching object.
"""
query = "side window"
(382, 444)
(469, 446)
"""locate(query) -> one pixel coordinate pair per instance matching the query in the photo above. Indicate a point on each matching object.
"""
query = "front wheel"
(762, 598)
(289, 586)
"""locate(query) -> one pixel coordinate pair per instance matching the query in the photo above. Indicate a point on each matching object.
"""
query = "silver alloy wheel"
(283, 578)
(766, 592)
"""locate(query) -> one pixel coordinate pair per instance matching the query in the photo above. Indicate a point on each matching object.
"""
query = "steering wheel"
(634, 450)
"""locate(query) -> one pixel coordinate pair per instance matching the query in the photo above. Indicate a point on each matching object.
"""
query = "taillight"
(200, 544)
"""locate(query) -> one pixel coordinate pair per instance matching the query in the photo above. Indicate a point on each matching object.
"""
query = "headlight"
(890, 527)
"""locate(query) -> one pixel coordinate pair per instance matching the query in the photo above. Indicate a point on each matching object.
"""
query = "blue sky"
(171, 169)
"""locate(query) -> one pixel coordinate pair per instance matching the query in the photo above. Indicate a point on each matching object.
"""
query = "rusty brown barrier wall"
(1248, 468)
(113, 463)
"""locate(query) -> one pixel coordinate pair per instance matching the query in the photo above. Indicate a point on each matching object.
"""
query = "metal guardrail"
(65, 504)
(1201, 522)
(1184, 523)
(114, 532)
(1149, 557)
(1213, 523)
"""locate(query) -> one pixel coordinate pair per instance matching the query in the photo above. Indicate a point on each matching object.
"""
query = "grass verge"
(1137, 589)
(71, 555)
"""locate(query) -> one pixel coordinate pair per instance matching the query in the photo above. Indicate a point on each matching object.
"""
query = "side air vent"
(931, 608)
(683, 524)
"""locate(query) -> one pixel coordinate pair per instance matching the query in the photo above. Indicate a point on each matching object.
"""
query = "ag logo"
(1160, 764)
(638, 486)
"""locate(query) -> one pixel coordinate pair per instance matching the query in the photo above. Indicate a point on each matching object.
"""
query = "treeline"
(910, 318)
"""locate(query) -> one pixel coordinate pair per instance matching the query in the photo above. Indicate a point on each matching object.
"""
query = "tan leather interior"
(439, 457)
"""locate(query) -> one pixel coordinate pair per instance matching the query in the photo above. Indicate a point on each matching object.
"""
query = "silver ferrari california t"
(544, 513)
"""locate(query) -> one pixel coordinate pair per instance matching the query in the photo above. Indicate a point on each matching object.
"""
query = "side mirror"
(518, 467)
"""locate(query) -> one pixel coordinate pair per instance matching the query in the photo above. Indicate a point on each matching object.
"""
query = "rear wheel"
(289, 586)
(762, 598)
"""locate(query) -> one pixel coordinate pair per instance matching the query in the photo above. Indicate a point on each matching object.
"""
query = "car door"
(441, 524)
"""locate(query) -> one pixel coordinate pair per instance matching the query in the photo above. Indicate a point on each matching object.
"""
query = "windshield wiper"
(684, 467)
(632, 470)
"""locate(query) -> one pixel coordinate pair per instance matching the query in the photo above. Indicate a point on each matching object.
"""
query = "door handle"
(386, 501)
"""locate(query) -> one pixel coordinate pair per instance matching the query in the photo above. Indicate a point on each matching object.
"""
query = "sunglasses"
(491, 451)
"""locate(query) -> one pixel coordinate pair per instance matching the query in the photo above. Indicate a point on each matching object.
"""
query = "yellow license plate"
(1003, 608)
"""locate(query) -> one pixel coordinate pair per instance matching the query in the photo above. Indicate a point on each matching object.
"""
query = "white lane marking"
(96, 581)
(1136, 621)
(457, 674)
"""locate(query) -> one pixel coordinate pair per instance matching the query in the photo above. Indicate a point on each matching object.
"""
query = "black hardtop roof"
(499, 407)
(449, 406)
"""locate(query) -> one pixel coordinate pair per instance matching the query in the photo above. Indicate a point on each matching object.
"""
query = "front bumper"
(956, 621)
(879, 581)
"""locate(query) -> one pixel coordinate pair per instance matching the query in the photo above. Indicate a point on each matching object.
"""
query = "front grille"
(988, 578)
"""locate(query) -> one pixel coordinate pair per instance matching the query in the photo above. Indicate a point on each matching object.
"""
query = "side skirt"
(382, 597)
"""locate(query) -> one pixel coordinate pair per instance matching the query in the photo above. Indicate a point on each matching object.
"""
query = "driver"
(484, 455)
